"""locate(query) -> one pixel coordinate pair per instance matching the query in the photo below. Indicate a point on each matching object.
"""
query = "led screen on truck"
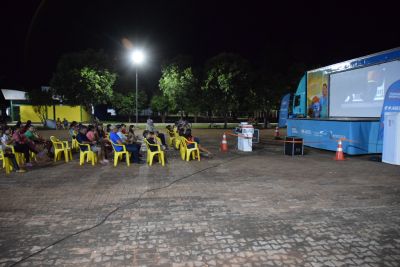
(360, 92)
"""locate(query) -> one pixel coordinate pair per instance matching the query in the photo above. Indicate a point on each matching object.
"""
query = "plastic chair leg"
(162, 159)
(151, 159)
(116, 160)
(6, 164)
(81, 158)
(66, 156)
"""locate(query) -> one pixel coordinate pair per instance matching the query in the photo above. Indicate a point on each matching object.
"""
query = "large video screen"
(360, 92)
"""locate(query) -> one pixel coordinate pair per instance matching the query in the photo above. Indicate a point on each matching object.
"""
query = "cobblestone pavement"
(235, 209)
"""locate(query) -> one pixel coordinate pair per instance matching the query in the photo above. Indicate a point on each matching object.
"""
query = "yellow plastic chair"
(181, 147)
(194, 152)
(32, 155)
(19, 157)
(88, 154)
(61, 148)
(6, 162)
(74, 142)
(171, 138)
(2, 158)
(151, 154)
(119, 154)
(177, 141)
(7, 165)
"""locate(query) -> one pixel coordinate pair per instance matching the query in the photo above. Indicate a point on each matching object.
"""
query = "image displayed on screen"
(360, 92)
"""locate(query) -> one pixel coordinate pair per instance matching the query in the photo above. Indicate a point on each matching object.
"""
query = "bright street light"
(137, 58)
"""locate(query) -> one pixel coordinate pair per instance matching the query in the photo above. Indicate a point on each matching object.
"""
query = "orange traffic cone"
(224, 144)
(276, 135)
(339, 151)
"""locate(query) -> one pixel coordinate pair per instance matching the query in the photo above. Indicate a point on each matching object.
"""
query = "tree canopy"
(83, 78)
(178, 82)
(125, 103)
(226, 83)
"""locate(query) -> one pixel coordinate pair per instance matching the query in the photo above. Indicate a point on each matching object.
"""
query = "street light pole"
(136, 96)
(137, 57)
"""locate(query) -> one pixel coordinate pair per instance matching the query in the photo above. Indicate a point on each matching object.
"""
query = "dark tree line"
(226, 86)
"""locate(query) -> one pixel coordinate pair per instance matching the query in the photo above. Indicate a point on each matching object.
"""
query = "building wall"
(27, 113)
(71, 113)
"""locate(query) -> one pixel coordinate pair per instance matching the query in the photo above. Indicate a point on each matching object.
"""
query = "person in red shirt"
(21, 145)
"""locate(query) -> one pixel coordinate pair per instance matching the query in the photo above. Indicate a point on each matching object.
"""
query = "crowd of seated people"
(118, 138)
(25, 139)
(185, 131)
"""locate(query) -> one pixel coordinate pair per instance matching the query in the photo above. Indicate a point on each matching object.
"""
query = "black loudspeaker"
(293, 145)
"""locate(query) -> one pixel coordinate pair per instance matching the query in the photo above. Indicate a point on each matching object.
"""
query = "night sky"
(271, 34)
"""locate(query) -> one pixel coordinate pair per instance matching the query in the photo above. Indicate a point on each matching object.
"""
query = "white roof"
(10, 94)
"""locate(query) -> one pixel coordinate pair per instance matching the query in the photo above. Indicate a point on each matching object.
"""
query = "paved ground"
(236, 209)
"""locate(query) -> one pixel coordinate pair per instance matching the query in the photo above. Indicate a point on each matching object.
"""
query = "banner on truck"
(284, 111)
(317, 94)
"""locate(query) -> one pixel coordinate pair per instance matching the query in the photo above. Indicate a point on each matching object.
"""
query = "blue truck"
(344, 100)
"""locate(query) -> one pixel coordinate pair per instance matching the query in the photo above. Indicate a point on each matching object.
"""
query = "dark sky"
(274, 34)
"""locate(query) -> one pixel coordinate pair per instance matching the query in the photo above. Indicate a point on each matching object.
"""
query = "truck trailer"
(344, 101)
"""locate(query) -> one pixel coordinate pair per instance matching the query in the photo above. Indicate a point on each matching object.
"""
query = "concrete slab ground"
(235, 209)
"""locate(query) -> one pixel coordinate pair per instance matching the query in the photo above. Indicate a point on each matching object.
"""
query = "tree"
(269, 90)
(177, 82)
(83, 78)
(40, 100)
(270, 85)
(125, 104)
(160, 103)
(226, 82)
(96, 86)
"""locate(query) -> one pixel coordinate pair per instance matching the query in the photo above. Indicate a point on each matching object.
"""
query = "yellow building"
(71, 113)
(21, 110)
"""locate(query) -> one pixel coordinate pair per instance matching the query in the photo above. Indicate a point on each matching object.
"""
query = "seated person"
(6, 140)
(123, 129)
(33, 136)
(23, 145)
(116, 139)
(65, 123)
(73, 129)
(26, 127)
(100, 136)
(152, 139)
(38, 143)
(162, 137)
(121, 135)
(150, 125)
(181, 132)
(108, 130)
(170, 130)
(132, 138)
(82, 139)
(90, 133)
(190, 138)
(58, 124)
(100, 131)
